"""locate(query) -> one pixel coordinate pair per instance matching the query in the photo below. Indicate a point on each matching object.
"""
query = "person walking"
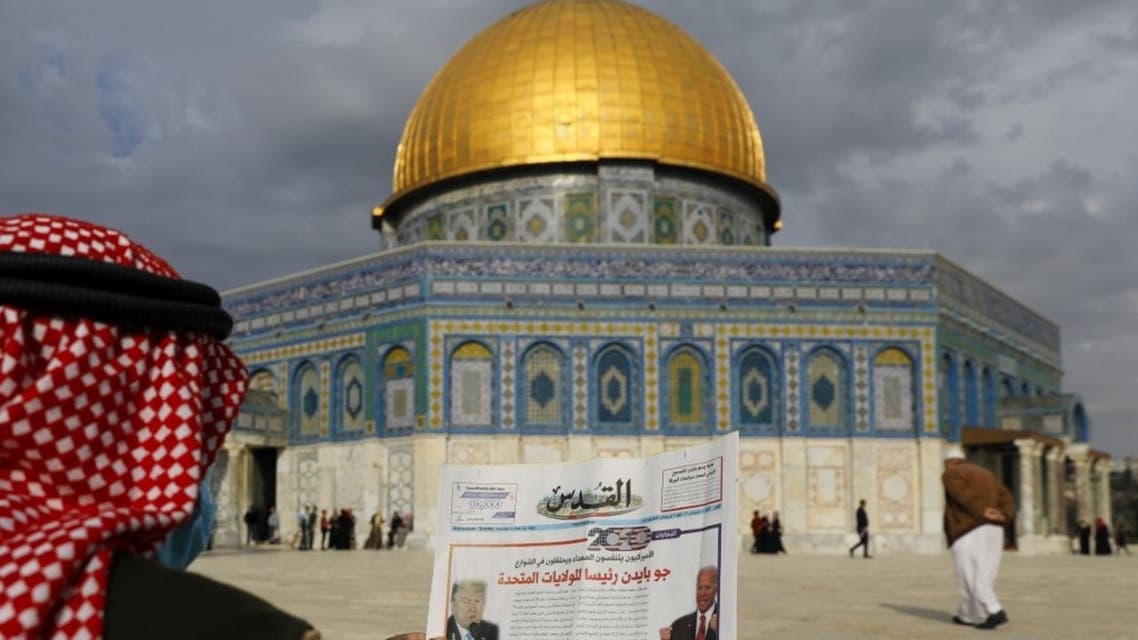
(1120, 540)
(756, 526)
(325, 526)
(250, 519)
(976, 507)
(1084, 538)
(776, 535)
(862, 531)
(274, 524)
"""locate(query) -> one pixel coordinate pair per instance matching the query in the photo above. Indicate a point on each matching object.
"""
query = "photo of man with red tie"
(703, 623)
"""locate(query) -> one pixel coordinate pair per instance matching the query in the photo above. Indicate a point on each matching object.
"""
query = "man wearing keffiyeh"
(116, 393)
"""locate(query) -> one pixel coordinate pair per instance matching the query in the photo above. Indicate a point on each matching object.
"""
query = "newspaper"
(611, 548)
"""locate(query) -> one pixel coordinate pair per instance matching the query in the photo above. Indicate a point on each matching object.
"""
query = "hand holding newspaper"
(606, 549)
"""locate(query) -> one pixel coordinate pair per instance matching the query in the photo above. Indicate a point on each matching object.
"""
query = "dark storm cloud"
(250, 140)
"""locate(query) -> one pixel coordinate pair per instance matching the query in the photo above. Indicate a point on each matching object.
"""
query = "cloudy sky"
(248, 140)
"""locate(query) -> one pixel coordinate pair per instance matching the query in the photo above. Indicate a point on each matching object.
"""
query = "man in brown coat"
(976, 508)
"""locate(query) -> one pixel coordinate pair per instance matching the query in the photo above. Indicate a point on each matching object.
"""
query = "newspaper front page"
(612, 548)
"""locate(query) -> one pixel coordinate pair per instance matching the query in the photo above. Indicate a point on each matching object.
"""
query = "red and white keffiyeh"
(105, 435)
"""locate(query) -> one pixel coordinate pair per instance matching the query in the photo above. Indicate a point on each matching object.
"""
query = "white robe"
(976, 555)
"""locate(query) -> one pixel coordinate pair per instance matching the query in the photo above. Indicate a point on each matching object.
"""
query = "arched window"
(306, 400)
(757, 392)
(472, 386)
(543, 385)
(348, 397)
(1007, 388)
(615, 390)
(950, 397)
(687, 384)
(827, 385)
(989, 383)
(971, 396)
(893, 397)
(398, 390)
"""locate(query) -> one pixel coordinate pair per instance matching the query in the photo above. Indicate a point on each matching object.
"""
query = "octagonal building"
(577, 263)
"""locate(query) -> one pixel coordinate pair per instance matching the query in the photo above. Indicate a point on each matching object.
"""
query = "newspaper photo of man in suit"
(703, 623)
(468, 601)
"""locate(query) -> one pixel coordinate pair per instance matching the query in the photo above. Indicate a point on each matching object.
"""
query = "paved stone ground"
(352, 595)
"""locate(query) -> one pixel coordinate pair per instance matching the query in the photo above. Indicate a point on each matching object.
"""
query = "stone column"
(1084, 505)
(1101, 470)
(1057, 517)
(1027, 490)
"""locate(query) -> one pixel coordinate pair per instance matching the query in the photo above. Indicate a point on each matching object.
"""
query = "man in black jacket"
(862, 531)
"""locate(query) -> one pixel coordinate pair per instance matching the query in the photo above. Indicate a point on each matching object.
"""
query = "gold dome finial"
(578, 80)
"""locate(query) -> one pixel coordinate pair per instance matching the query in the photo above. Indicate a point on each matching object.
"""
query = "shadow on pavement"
(936, 615)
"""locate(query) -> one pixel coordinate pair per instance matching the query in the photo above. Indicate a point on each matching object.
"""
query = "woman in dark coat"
(1102, 538)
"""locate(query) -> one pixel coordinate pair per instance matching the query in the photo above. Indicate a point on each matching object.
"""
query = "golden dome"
(579, 80)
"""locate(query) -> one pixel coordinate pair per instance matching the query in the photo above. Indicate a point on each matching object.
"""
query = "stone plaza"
(353, 595)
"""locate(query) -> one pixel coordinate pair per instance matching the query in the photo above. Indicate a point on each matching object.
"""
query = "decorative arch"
(971, 395)
(305, 399)
(348, 415)
(894, 397)
(471, 388)
(398, 390)
(263, 380)
(757, 391)
(686, 406)
(543, 382)
(615, 385)
(827, 391)
(949, 396)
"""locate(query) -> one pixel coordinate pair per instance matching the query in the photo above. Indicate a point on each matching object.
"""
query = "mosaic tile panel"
(755, 404)
(399, 389)
(928, 382)
(896, 488)
(436, 227)
(580, 217)
(325, 399)
(537, 220)
(499, 222)
(627, 216)
(401, 479)
(307, 481)
(463, 225)
(615, 388)
(471, 386)
(699, 223)
(685, 388)
(308, 400)
(748, 230)
(861, 389)
(263, 380)
(507, 387)
(893, 391)
(722, 403)
(651, 378)
(666, 223)
(727, 232)
(543, 366)
(351, 400)
(580, 387)
(791, 356)
(825, 390)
